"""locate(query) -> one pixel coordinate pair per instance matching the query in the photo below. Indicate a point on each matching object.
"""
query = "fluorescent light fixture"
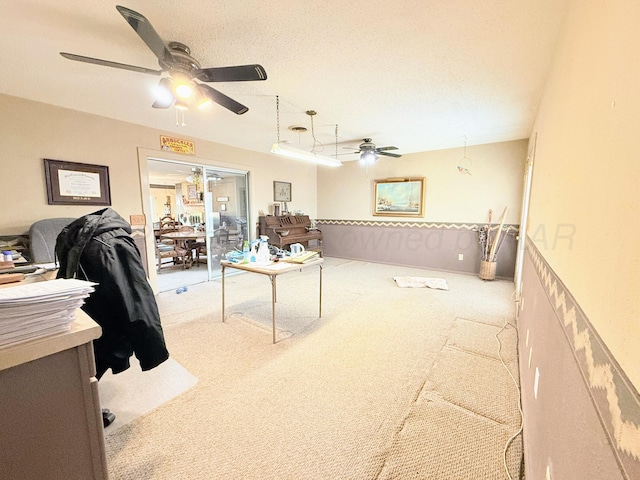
(297, 154)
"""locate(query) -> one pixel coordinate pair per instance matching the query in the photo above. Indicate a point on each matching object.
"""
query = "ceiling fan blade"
(147, 33)
(240, 73)
(395, 155)
(387, 148)
(107, 63)
(221, 99)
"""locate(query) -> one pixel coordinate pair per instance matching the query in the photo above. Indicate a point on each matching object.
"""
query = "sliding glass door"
(205, 199)
(226, 207)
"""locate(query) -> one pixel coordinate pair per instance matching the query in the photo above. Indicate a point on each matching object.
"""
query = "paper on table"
(43, 290)
(39, 309)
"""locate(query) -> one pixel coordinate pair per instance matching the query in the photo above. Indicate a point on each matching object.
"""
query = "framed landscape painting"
(399, 197)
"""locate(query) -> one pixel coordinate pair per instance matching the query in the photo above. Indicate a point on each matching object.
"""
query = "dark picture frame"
(399, 197)
(71, 183)
(281, 191)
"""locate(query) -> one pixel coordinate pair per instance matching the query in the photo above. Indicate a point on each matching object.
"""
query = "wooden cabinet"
(50, 415)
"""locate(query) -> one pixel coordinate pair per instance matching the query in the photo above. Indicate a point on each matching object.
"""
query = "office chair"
(43, 235)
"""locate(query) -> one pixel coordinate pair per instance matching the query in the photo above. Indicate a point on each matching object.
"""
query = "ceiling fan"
(369, 152)
(183, 71)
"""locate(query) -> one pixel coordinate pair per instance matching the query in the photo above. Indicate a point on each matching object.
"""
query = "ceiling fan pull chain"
(278, 116)
(180, 115)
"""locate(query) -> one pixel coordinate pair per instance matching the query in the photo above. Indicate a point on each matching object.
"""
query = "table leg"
(222, 276)
(320, 301)
(273, 305)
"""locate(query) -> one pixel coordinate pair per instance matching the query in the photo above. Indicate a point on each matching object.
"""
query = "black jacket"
(98, 248)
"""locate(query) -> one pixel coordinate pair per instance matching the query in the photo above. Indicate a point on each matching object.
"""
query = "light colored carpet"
(172, 277)
(389, 383)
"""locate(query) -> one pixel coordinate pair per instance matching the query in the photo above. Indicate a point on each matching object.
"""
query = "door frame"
(144, 155)
(524, 215)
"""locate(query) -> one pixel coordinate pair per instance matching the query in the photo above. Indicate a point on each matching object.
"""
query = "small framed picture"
(281, 191)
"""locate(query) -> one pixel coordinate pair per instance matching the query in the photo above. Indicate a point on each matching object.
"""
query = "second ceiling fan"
(369, 152)
(184, 72)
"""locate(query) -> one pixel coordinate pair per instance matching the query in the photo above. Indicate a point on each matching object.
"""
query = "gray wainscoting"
(429, 245)
(581, 413)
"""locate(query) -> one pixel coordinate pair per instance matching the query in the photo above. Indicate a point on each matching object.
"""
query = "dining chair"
(169, 248)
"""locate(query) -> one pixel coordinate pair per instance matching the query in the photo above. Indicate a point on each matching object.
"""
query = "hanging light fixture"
(464, 165)
(286, 150)
(164, 97)
(202, 100)
(178, 91)
(368, 158)
(182, 85)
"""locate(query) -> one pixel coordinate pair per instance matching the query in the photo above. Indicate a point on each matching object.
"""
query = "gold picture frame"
(399, 197)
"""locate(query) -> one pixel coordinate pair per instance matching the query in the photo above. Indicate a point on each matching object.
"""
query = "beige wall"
(31, 131)
(587, 170)
(345, 193)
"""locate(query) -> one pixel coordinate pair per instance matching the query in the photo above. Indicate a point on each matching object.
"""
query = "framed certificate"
(70, 183)
(281, 191)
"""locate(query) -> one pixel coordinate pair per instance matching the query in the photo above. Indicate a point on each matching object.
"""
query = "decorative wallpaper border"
(601, 372)
(380, 223)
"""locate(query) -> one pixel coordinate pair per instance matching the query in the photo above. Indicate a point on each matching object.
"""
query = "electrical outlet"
(460, 256)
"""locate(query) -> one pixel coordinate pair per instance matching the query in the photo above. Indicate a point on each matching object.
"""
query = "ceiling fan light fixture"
(368, 158)
(164, 94)
(181, 105)
(182, 85)
(202, 100)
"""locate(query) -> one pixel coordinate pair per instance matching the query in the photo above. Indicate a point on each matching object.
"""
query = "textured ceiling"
(418, 74)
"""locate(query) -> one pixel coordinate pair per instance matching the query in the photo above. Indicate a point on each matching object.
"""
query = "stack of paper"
(302, 257)
(38, 309)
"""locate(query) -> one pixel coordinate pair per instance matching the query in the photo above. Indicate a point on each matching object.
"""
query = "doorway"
(209, 201)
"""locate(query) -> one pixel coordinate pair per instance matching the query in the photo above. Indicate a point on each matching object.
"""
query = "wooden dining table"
(185, 238)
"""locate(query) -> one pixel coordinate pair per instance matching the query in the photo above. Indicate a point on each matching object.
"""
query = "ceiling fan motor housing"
(368, 145)
(182, 60)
